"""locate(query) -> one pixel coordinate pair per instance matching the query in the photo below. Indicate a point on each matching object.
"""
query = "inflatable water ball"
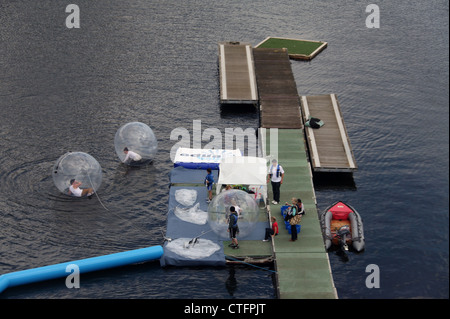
(78, 166)
(139, 139)
(219, 210)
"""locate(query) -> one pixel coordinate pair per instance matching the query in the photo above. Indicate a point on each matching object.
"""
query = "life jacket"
(278, 170)
(235, 216)
(209, 178)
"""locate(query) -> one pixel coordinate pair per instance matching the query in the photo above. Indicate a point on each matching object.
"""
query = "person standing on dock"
(275, 176)
(209, 181)
(233, 227)
(293, 217)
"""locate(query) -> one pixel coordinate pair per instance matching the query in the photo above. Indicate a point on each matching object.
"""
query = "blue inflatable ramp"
(85, 265)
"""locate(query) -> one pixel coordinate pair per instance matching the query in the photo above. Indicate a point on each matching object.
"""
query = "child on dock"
(271, 231)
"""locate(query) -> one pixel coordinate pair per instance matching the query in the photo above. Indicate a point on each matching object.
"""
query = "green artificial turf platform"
(297, 49)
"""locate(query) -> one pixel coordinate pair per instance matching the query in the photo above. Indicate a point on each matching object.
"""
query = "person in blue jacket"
(233, 227)
(209, 181)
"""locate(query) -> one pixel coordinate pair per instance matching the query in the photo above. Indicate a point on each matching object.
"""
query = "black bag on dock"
(314, 122)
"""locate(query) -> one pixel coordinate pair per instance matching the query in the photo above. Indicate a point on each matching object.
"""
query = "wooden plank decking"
(278, 96)
(237, 74)
(329, 146)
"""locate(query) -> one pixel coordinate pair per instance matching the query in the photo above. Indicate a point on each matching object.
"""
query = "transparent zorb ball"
(78, 166)
(138, 138)
(219, 211)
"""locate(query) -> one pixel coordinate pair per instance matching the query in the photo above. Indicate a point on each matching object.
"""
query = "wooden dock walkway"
(237, 74)
(329, 146)
(303, 268)
(279, 101)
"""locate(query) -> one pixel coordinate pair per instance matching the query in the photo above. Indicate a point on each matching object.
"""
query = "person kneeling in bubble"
(131, 157)
(75, 189)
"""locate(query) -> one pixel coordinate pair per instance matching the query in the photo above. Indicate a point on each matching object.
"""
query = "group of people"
(294, 213)
(74, 188)
(295, 209)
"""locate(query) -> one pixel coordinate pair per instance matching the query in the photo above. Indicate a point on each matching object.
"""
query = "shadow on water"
(231, 282)
(232, 110)
(334, 181)
(344, 256)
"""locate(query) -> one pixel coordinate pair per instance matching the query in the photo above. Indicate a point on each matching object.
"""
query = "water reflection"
(231, 282)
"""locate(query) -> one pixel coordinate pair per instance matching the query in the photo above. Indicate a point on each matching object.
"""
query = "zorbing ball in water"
(137, 137)
(77, 165)
(219, 211)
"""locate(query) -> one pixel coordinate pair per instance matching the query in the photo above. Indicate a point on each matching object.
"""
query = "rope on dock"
(245, 263)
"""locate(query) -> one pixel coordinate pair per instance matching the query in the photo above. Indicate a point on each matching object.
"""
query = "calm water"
(156, 62)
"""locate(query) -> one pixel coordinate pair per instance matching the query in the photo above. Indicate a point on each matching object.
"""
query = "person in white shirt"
(76, 191)
(131, 157)
(275, 176)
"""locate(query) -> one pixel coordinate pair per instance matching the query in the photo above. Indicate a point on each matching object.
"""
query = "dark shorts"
(233, 232)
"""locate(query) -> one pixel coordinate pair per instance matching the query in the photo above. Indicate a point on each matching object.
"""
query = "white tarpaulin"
(244, 170)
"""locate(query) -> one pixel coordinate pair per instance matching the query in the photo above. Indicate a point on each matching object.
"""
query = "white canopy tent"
(245, 170)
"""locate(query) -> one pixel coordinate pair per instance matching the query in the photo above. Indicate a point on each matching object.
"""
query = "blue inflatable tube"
(85, 265)
(197, 165)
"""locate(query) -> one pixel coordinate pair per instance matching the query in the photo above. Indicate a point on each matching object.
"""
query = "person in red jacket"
(271, 231)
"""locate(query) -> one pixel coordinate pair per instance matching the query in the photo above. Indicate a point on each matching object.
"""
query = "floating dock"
(279, 101)
(329, 146)
(252, 249)
(237, 74)
(297, 49)
(303, 268)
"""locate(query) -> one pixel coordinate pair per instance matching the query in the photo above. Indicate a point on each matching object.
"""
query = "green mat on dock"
(296, 48)
(303, 270)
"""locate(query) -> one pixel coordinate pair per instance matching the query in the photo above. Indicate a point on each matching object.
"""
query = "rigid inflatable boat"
(339, 219)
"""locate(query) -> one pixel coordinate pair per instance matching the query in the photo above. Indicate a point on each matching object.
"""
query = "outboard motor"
(342, 234)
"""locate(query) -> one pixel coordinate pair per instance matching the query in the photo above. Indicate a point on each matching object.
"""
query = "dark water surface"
(156, 62)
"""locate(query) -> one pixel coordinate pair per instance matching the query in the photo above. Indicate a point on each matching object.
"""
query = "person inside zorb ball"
(77, 174)
(135, 144)
(219, 211)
